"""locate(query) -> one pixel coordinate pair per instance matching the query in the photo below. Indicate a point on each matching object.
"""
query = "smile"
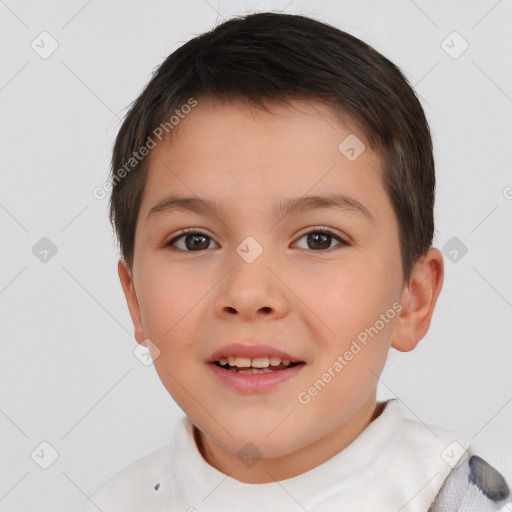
(256, 365)
(250, 380)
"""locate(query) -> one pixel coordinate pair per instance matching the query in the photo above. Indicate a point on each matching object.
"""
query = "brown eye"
(191, 242)
(321, 240)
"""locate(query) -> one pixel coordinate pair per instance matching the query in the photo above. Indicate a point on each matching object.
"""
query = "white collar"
(394, 464)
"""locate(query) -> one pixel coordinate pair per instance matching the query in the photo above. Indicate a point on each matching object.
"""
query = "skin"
(306, 300)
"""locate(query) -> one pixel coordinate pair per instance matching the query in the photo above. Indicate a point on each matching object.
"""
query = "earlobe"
(419, 299)
(125, 276)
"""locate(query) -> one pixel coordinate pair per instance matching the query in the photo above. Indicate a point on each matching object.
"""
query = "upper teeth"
(257, 362)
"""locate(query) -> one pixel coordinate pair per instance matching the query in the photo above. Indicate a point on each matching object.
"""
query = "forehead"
(229, 150)
(241, 119)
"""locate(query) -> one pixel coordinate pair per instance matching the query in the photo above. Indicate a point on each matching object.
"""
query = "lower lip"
(254, 382)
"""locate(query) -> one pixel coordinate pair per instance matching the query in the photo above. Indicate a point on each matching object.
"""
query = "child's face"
(309, 297)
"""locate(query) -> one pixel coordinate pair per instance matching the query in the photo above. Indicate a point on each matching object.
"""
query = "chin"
(253, 435)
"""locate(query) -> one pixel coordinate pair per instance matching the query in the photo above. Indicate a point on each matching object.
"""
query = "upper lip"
(251, 351)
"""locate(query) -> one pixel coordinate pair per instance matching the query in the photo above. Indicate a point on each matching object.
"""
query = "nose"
(252, 291)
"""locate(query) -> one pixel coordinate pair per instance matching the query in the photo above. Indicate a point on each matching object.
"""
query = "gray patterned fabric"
(473, 486)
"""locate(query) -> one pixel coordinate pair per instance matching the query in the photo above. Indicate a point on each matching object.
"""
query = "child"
(251, 144)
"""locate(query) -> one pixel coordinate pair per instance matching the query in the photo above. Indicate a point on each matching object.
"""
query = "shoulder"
(431, 447)
(143, 485)
(465, 481)
(473, 486)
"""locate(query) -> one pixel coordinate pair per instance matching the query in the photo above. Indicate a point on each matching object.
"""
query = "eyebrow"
(293, 205)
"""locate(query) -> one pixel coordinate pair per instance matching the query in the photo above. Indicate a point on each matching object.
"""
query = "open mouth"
(256, 374)
(256, 367)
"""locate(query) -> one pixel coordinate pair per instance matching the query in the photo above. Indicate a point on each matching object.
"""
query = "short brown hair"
(274, 56)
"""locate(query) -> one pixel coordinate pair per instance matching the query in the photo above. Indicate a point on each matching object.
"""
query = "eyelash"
(196, 231)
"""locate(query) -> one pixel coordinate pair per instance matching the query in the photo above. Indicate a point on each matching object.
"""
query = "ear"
(418, 300)
(125, 275)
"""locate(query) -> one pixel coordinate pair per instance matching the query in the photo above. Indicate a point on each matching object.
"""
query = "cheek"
(171, 311)
(348, 297)
(169, 303)
(344, 309)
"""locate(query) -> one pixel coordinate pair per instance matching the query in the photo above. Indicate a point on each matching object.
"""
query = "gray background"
(68, 373)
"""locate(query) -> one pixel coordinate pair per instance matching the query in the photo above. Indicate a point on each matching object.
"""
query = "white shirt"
(395, 464)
